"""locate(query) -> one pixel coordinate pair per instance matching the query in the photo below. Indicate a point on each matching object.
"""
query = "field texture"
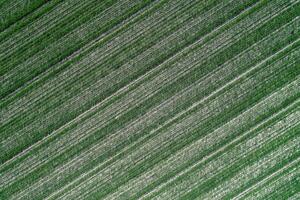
(150, 99)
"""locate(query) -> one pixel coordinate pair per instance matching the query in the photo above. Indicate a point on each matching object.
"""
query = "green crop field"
(150, 99)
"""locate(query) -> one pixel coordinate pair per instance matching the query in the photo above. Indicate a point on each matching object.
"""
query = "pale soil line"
(39, 26)
(250, 172)
(186, 122)
(37, 60)
(96, 107)
(221, 40)
(266, 179)
(71, 37)
(44, 119)
(67, 168)
(9, 31)
(258, 168)
(295, 197)
(216, 134)
(42, 25)
(82, 50)
(79, 68)
(10, 7)
(66, 145)
(274, 184)
(225, 160)
(115, 111)
(166, 183)
(75, 36)
(206, 142)
(111, 78)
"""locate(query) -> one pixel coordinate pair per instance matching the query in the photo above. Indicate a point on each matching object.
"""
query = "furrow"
(33, 60)
(154, 99)
(271, 182)
(250, 173)
(31, 165)
(188, 92)
(90, 30)
(231, 154)
(90, 60)
(204, 143)
(288, 181)
(122, 102)
(75, 55)
(143, 88)
(28, 19)
(39, 27)
(186, 123)
(266, 164)
(11, 12)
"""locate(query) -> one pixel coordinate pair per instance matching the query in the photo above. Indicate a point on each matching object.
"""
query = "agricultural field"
(150, 99)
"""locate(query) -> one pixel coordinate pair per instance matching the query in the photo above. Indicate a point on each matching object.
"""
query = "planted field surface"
(150, 99)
